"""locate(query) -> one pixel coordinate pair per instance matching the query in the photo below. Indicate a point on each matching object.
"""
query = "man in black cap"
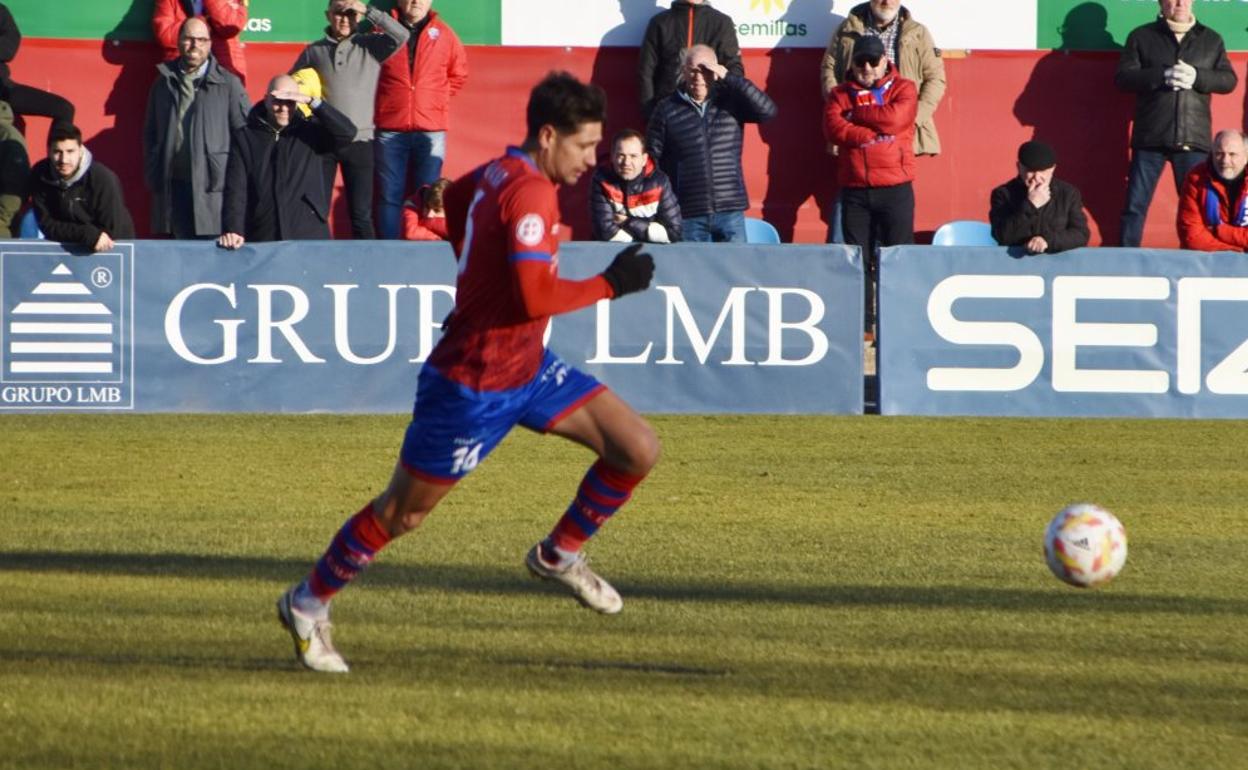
(1033, 210)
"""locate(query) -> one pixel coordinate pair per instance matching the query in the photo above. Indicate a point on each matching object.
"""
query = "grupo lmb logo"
(66, 331)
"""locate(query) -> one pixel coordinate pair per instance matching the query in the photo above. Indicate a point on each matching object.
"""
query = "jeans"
(720, 227)
(356, 160)
(400, 154)
(1146, 168)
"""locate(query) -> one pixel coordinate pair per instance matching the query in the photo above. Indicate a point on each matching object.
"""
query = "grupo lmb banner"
(160, 326)
(1091, 332)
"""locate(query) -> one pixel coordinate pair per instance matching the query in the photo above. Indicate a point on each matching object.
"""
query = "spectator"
(14, 171)
(695, 135)
(1213, 209)
(25, 100)
(631, 199)
(425, 219)
(348, 61)
(1173, 65)
(76, 200)
(910, 48)
(192, 108)
(413, 99)
(686, 24)
(870, 118)
(1033, 210)
(226, 21)
(276, 188)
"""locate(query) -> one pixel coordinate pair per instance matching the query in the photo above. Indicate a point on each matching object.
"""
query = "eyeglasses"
(347, 13)
(864, 61)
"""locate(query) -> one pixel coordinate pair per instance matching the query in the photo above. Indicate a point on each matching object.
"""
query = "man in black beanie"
(1036, 211)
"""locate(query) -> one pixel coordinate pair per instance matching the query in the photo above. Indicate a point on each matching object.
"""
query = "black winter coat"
(702, 154)
(1060, 222)
(668, 33)
(10, 41)
(275, 188)
(77, 213)
(1165, 118)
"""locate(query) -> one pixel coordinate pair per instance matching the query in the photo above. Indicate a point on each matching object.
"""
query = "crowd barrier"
(165, 326)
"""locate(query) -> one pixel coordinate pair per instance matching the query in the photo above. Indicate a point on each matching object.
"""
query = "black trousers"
(27, 100)
(875, 217)
(356, 160)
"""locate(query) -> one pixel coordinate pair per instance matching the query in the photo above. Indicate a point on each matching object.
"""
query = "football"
(1085, 545)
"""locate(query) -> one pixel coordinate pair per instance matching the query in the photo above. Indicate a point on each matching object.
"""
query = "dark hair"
(431, 194)
(63, 132)
(629, 133)
(564, 102)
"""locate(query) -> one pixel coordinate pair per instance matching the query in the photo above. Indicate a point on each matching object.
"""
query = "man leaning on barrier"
(1213, 209)
(1036, 211)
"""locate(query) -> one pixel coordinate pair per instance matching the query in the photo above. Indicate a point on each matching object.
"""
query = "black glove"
(630, 271)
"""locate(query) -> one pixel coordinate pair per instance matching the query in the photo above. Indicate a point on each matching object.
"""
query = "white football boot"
(589, 589)
(314, 645)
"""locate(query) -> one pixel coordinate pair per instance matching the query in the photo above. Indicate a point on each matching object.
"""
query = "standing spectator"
(75, 199)
(870, 117)
(424, 218)
(226, 21)
(276, 188)
(348, 61)
(26, 100)
(910, 48)
(1172, 65)
(686, 24)
(631, 199)
(192, 108)
(1036, 211)
(413, 98)
(1213, 209)
(14, 171)
(695, 134)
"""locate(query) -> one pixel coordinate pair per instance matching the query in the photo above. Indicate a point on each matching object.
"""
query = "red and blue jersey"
(503, 219)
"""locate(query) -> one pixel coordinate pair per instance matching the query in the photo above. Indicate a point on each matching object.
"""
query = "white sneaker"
(589, 589)
(313, 644)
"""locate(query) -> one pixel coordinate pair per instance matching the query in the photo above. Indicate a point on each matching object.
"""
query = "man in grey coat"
(348, 61)
(193, 108)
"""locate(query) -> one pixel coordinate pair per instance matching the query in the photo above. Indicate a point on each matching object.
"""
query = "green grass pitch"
(800, 592)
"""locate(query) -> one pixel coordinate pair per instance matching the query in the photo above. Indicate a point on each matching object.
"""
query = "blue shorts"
(453, 427)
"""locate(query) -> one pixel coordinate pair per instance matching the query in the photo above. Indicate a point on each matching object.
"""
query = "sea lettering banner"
(164, 326)
(1092, 332)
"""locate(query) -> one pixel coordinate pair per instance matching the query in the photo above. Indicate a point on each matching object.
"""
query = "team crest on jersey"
(530, 229)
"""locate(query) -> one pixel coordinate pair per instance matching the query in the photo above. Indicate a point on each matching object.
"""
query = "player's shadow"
(497, 580)
(799, 169)
(121, 147)
(1071, 103)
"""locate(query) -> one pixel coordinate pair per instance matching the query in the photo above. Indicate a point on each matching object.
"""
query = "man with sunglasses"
(871, 120)
(348, 60)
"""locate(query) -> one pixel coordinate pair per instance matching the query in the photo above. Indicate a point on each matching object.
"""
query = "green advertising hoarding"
(269, 21)
(1102, 25)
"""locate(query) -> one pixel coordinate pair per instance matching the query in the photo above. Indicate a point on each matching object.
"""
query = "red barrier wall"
(995, 101)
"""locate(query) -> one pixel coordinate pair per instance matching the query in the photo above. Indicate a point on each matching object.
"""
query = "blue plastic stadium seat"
(760, 231)
(964, 232)
(29, 227)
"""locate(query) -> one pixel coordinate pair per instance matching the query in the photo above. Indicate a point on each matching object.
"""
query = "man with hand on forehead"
(1036, 211)
(276, 187)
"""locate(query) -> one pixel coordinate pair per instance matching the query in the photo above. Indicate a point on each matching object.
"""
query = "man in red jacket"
(226, 20)
(870, 118)
(414, 93)
(1213, 210)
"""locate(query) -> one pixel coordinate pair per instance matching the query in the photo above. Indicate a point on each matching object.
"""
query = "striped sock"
(352, 549)
(602, 492)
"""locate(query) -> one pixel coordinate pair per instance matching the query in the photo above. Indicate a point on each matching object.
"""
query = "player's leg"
(627, 449)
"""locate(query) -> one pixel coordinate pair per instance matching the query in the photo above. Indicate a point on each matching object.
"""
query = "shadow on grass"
(499, 580)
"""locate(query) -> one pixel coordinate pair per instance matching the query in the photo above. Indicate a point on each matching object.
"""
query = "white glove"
(1184, 75)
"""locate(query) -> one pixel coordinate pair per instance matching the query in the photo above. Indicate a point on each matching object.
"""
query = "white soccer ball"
(1085, 545)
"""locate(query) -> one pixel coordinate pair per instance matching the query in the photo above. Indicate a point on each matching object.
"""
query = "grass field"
(800, 592)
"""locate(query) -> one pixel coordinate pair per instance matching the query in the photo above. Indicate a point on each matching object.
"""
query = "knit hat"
(868, 45)
(1036, 156)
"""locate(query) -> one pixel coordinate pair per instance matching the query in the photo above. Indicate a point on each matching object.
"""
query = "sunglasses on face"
(347, 13)
(865, 61)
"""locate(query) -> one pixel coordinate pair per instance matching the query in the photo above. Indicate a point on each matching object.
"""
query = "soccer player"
(491, 372)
